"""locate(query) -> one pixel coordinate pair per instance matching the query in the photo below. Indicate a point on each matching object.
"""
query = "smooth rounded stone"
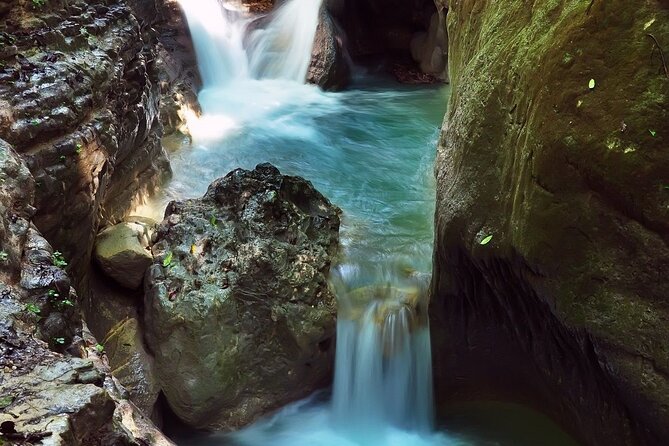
(238, 311)
(122, 251)
(330, 64)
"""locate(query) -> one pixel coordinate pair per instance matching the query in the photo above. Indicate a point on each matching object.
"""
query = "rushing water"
(370, 149)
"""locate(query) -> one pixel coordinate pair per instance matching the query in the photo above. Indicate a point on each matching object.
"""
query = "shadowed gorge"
(334, 223)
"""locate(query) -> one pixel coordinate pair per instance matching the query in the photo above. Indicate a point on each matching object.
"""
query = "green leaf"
(486, 240)
(213, 221)
(167, 261)
(3, 256)
(6, 401)
(32, 308)
(60, 341)
(652, 133)
(591, 84)
(99, 348)
(58, 259)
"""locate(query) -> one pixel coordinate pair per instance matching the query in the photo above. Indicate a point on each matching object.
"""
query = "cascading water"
(370, 149)
(253, 75)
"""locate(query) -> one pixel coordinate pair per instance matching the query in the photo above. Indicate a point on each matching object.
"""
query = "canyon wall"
(551, 272)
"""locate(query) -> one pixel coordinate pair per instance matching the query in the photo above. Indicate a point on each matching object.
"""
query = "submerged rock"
(238, 311)
(556, 146)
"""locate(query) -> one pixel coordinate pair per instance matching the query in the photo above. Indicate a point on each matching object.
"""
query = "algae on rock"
(568, 180)
(238, 312)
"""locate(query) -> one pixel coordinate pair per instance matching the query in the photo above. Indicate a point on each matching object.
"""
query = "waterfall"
(383, 372)
(283, 49)
(251, 66)
(253, 71)
(217, 33)
(231, 44)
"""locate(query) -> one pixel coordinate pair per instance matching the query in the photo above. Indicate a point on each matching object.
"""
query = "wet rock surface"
(330, 63)
(563, 161)
(54, 388)
(238, 312)
(80, 103)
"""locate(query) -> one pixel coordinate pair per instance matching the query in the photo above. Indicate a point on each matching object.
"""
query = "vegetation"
(58, 259)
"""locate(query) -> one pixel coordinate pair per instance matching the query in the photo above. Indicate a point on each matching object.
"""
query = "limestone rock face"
(80, 102)
(54, 387)
(122, 251)
(330, 66)
(238, 312)
(556, 144)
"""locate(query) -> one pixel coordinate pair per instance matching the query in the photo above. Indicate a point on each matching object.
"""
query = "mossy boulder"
(238, 312)
(556, 143)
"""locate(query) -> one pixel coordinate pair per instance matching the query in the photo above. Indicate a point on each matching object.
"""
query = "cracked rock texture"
(79, 101)
(567, 306)
(55, 388)
(238, 312)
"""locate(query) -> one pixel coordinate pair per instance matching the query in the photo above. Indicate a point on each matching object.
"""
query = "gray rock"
(54, 387)
(122, 251)
(330, 64)
(238, 310)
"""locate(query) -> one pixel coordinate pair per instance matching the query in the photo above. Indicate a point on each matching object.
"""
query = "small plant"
(60, 341)
(167, 261)
(53, 294)
(58, 259)
(486, 240)
(3, 256)
(65, 303)
(34, 309)
(34, 121)
(38, 3)
(62, 158)
(78, 149)
(591, 84)
(213, 221)
(99, 348)
(652, 133)
(5, 401)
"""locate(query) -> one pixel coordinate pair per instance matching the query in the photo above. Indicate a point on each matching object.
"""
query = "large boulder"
(330, 64)
(238, 312)
(556, 145)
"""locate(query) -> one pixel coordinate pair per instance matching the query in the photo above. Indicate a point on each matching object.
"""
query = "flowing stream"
(370, 150)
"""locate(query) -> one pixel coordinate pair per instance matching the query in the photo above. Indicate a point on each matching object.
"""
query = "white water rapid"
(253, 72)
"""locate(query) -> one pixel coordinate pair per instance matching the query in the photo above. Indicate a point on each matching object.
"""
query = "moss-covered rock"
(238, 312)
(556, 144)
